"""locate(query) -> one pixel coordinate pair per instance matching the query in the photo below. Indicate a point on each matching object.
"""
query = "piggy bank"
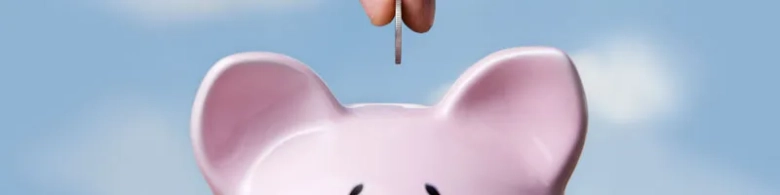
(512, 124)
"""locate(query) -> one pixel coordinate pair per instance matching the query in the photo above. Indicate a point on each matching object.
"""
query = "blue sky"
(97, 94)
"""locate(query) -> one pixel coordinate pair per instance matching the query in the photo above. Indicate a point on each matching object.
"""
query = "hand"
(417, 14)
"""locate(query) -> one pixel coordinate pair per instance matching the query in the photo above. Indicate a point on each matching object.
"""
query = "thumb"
(380, 12)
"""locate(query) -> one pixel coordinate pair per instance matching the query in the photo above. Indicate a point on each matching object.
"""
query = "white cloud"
(629, 79)
(631, 83)
(189, 10)
(121, 146)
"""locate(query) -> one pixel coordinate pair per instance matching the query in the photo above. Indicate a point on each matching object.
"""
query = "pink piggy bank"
(513, 124)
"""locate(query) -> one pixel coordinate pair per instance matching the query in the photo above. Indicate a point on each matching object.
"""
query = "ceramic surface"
(512, 124)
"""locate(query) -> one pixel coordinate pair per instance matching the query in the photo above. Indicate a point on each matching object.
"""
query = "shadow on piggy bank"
(513, 124)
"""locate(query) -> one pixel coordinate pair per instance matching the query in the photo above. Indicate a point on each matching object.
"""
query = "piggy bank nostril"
(356, 190)
(431, 190)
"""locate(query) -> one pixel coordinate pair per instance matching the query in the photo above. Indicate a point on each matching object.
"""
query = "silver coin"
(398, 24)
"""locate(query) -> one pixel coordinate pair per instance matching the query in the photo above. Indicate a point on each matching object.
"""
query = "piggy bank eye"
(431, 190)
(356, 190)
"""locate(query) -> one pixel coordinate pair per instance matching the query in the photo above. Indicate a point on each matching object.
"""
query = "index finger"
(419, 14)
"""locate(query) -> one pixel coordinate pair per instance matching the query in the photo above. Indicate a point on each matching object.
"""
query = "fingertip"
(419, 28)
(380, 12)
(381, 21)
(419, 14)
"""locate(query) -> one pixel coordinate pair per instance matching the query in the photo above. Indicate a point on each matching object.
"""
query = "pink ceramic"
(513, 124)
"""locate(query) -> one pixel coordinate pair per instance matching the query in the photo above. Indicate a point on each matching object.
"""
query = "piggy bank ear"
(535, 98)
(245, 103)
